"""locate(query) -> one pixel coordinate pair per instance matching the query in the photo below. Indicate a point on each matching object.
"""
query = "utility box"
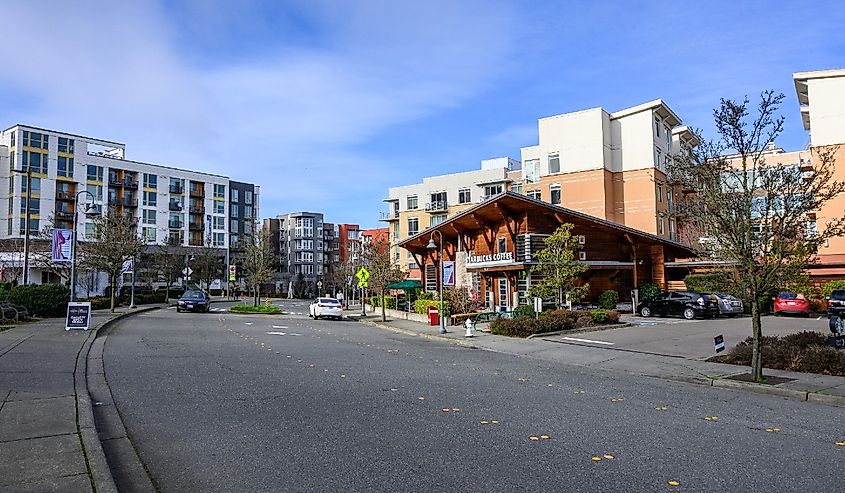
(433, 316)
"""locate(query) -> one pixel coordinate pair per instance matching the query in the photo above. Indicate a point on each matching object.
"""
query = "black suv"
(687, 304)
(836, 303)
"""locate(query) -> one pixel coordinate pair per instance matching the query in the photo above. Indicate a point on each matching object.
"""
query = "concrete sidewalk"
(566, 349)
(47, 437)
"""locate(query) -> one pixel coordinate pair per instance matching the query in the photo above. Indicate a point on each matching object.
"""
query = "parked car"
(729, 305)
(791, 303)
(194, 301)
(836, 303)
(325, 307)
(687, 304)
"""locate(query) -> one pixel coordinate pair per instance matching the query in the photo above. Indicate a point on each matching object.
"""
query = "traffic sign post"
(363, 276)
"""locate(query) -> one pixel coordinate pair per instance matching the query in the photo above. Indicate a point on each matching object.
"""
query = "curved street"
(224, 402)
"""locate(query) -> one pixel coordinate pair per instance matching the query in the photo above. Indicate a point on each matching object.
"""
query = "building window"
(669, 199)
(657, 126)
(150, 198)
(34, 205)
(35, 160)
(150, 181)
(412, 203)
(437, 219)
(177, 186)
(658, 156)
(219, 191)
(247, 197)
(532, 170)
(35, 139)
(219, 222)
(534, 194)
(491, 190)
(66, 145)
(247, 211)
(64, 166)
(220, 207)
(33, 226)
(668, 140)
(96, 191)
(554, 190)
(233, 226)
(660, 227)
(95, 173)
(464, 196)
(36, 185)
(413, 226)
(233, 196)
(660, 192)
(554, 163)
(502, 245)
(149, 235)
(219, 239)
(233, 210)
(517, 188)
(149, 216)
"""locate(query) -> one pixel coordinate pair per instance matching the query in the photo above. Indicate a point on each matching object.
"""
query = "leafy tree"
(376, 259)
(115, 240)
(753, 212)
(561, 270)
(258, 262)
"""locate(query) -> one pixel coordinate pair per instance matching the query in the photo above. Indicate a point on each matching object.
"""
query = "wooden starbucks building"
(492, 244)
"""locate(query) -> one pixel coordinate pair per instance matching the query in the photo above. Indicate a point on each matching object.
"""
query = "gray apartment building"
(298, 241)
(243, 216)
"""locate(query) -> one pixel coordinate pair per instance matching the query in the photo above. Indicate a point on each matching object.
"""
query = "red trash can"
(433, 316)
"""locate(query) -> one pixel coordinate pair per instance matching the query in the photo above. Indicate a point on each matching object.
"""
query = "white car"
(325, 307)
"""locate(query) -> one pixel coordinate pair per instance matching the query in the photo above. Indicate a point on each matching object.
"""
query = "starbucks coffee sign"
(493, 259)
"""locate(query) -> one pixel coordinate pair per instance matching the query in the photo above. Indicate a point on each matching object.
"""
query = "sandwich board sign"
(719, 343)
(78, 315)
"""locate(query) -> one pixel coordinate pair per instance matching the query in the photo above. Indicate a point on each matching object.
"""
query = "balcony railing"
(175, 224)
(195, 226)
(130, 184)
(437, 206)
(197, 209)
(114, 201)
(175, 206)
(127, 202)
(197, 192)
(389, 216)
(195, 242)
(177, 189)
(64, 195)
(64, 215)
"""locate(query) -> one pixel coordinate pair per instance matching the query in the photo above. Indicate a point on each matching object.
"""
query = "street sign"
(363, 275)
(719, 343)
(61, 245)
(187, 271)
(128, 266)
(448, 273)
(78, 315)
(233, 271)
(319, 284)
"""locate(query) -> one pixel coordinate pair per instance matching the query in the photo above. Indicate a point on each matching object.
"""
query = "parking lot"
(688, 338)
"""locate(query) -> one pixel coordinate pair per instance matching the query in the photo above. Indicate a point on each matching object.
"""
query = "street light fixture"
(89, 207)
(432, 246)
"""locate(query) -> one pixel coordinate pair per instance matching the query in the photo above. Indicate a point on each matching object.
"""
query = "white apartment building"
(413, 208)
(68, 172)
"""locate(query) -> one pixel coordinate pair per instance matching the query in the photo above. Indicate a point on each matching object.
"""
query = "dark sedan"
(687, 304)
(194, 301)
(836, 303)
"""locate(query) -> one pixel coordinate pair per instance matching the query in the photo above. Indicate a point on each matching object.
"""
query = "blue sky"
(326, 104)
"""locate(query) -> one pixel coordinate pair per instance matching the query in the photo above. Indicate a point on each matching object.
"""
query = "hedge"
(40, 300)
(608, 299)
(269, 309)
(804, 351)
(830, 286)
(553, 321)
(389, 302)
(421, 307)
(648, 291)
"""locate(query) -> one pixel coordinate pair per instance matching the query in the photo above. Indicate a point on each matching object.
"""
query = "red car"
(792, 303)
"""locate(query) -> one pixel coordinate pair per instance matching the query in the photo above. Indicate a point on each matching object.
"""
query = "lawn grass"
(267, 309)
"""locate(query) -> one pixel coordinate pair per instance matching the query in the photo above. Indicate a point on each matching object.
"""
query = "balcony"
(175, 224)
(130, 184)
(195, 226)
(130, 202)
(64, 215)
(197, 209)
(437, 206)
(197, 192)
(65, 196)
(175, 206)
(389, 216)
(195, 242)
(115, 182)
(177, 189)
(114, 201)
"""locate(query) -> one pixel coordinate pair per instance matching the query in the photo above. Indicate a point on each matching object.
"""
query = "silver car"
(729, 305)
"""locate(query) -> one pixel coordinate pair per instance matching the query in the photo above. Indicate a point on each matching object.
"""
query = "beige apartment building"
(821, 95)
(414, 208)
(609, 165)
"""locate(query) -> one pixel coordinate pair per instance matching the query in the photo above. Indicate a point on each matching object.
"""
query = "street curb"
(800, 395)
(419, 334)
(582, 330)
(101, 476)
(831, 400)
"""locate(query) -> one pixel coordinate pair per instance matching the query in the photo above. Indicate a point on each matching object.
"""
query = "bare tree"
(756, 216)
(376, 259)
(207, 264)
(115, 240)
(41, 253)
(168, 264)
(258, 262)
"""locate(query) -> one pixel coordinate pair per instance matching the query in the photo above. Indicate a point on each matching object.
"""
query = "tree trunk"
(383, 315)
(757, 346)
(113, 287)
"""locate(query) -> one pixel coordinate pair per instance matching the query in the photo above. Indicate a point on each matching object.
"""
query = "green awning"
(406, 284)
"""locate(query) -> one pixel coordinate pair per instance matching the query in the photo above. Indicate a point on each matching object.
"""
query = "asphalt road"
(221, 402)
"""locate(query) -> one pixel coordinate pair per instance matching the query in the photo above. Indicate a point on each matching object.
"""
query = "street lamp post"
(73, 240)
(28, 173)
(432, 246)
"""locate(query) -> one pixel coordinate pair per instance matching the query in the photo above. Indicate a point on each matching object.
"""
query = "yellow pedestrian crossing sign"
(363, 275)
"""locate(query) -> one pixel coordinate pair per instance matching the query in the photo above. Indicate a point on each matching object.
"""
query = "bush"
(215, 292)
(648, 291)
(706, 282)
(389, 302)
(599, 315)
(427, 295)
(269, 309)
(523, 311)
(41, 300)
(551, 321)
(517, 327)
(830, 286)
(101, 302)
(608, 299)
(804, 351)
(558, 319)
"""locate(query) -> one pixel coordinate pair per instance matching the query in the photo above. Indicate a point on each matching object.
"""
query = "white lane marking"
(575, 339)
(279, 326)
(282, 334)
(247, 323)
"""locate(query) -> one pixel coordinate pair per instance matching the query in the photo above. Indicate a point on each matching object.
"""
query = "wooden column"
(658, 266)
